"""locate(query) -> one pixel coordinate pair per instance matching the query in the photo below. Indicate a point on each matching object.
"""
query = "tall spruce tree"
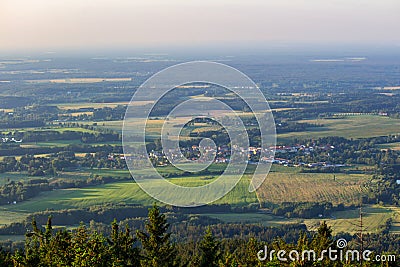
(210, 250)
(122, 248)
(158, 251)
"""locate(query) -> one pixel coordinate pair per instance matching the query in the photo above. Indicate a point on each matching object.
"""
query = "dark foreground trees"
(158, 251)
(153, 247)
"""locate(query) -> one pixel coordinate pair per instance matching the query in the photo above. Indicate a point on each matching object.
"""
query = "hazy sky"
(58, 24)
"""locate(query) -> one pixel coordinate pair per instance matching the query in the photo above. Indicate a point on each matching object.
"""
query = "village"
(255, 155)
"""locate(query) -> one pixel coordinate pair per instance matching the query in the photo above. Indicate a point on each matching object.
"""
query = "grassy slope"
(127, 192)
(374, 218)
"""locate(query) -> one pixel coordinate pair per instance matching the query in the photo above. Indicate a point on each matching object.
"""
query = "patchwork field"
(316, 187)
(66, 106)
(283, 184)
(278, 187)
(119, 192)
(358, 126)
(81, 80)
(152, 126)
(374, 219)
(63, 143)
(84, 173)
(50, 128)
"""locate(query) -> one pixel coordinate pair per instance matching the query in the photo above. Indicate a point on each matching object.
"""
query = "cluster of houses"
(113, 156)
(220, 154)
(323, 164)
(253, 154)
(306, 149)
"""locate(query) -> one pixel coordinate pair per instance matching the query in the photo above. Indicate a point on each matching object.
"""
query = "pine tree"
(5, 258)
(303, 244)
(210, 250)
(122, 247)
(34, 241)
(158, 251)
(89, 249)
(322, 241)
(250, 255)
(323, 238)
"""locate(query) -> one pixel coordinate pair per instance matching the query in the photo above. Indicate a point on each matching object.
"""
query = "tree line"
(153, 246)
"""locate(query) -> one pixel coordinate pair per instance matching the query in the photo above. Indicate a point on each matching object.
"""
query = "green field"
(297, 187)
(7, 216)
(253, 218)
(49, 128)
(153, 126)
(396, 220)
(357, 126)
(278, 187)
(63, 143)
(73, 129)
(66, 106)
(374, 219)
(12, 176)
(84, 173)
(118, 192)
(108, 172)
